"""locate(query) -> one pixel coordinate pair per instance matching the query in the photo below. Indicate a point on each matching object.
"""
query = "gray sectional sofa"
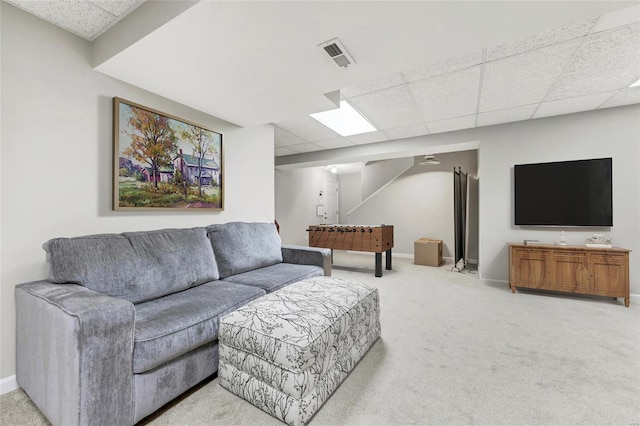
(127, 322)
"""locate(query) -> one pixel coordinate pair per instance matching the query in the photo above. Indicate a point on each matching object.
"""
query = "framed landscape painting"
(164, 162)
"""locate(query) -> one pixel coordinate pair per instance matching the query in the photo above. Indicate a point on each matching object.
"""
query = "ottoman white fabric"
(289, 350)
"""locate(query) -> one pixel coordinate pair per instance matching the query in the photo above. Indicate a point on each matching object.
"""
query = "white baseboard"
(403, 255)
(8, 384)
(410, 256)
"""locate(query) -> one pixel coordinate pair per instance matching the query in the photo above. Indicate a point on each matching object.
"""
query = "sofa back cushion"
(134, 266)
(241, 247)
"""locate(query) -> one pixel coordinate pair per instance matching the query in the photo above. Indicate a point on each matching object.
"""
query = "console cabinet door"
(609, 274)
(570, 271)
(530, 268)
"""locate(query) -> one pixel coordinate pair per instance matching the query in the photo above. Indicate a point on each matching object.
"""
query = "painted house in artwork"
(188, 166)
(166, 174)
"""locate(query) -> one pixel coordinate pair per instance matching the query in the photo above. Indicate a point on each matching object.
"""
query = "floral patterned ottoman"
(289, 350)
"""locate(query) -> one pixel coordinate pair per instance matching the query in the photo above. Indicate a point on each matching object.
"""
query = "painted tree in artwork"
(202, 142)
(152, 140)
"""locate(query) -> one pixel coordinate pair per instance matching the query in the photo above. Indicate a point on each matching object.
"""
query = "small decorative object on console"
(563, 239)
(598, 240)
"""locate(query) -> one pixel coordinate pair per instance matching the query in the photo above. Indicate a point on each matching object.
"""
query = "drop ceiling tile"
(617, 18)
(506, 115)
(452, 124)
(444, 67)
(373, 86)
(627, 96)
(307, 128)
(606, 61)
(449, 95)
(334, 143)
(284, 138)
(547, 38)
(406, 132)
(283, 151)
(305, 147)
(116, 7)
(525, 78)
(567, 106)
(370, 137)
(388, 108)
(79, 17)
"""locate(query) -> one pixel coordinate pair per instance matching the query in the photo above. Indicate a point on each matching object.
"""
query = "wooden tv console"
(571, 269)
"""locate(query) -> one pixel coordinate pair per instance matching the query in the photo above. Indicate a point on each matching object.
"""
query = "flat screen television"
(565, 193)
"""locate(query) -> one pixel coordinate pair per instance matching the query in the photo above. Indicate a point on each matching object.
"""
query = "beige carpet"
(455, 351)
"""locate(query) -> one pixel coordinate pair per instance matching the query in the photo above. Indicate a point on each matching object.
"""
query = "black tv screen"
(566, 193)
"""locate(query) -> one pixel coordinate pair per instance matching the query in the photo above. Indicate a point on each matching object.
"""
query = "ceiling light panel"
(623, 97)
(345, 120)
(617, 18)
(373, 86)
(307, 128)
(284, 138)
(406, 132)
(452, 124)
(525, 78)
(506, 115)
(389, 108)
(605, 61)
(449, 95)
(567, 106)
(547, 38)
(443, 67)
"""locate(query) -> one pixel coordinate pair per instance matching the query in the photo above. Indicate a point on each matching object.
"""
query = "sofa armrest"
(75, 353)
(308, 256)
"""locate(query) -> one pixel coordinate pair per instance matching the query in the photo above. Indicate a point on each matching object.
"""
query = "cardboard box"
(427, 252)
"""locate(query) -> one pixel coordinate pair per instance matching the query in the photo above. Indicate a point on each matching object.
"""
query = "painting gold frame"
(163, 162)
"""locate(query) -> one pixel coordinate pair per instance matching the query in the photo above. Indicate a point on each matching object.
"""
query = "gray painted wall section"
(378, 174)
(297, 194)
(612, 132)
(349, 194)
(418, 204)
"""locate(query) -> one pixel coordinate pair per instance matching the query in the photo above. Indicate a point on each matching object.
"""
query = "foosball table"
(376, 239)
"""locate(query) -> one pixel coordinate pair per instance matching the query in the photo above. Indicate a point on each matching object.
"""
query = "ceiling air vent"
(337, 52)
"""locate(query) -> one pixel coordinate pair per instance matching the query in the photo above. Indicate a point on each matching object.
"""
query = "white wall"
(57, 157)
(349, 193)
(613, 132)
(418, 204)
(297, 194)
(380, 173)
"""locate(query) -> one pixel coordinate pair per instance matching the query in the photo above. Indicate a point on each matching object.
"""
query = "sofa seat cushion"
(135, 266)
(240, 247)
(275, 277)
(175, 324)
